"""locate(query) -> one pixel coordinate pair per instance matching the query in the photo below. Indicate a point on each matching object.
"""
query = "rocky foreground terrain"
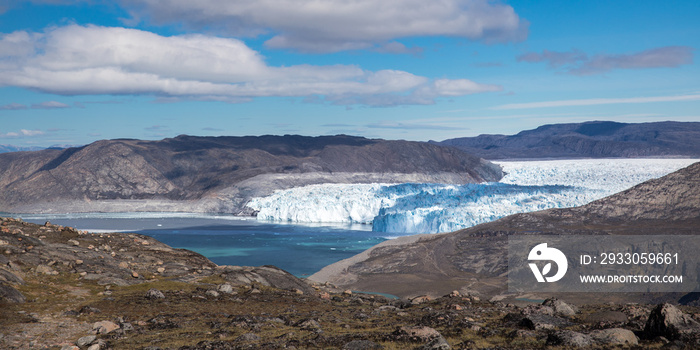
(216, 174)
(61, 288)
(596, 139)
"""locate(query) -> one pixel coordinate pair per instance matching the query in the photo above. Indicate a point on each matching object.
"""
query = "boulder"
(437, 343)
(104, 327)
(614, 336)
(668, 321)
(417, 334)
(560, 307)
(267, 275)
(85, 341)
(154, 294)
(46, 270)
(539, 322)
(569, 339)
(225, 288)
(9, 294)
(10, 277)
(309, 324)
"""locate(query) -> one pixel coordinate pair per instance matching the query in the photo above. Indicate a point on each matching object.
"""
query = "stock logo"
(541, 253)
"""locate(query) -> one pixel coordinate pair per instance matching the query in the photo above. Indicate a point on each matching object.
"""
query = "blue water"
(299, 249)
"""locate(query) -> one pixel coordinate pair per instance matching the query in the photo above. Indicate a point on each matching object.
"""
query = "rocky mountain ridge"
(595, 139)
(216, 174)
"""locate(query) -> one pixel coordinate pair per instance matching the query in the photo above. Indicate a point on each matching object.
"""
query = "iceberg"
(430, 208)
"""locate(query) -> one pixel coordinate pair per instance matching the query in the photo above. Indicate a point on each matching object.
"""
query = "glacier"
(430, 208)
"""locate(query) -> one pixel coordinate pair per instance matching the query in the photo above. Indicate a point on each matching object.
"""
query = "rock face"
(216, 174)
(596, 139)
(9, 294)
(475, 259)
(668, 321)
(268, 275)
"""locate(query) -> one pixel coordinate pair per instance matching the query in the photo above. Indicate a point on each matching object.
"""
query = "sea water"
(227, 240)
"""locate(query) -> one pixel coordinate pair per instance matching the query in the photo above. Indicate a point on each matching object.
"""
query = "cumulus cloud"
(669, 56)
(26, 132)
(409, 126)
(50, 105)
(554, 59)
(13, 107)
(338, 25)
(42, 105)
(396, 47)
(578, 63)
(22, 132)
(83, 60)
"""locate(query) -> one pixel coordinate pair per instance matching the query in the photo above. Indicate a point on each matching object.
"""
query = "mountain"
(596, 139)
(475, 259)
(216, 174)
(11, 148)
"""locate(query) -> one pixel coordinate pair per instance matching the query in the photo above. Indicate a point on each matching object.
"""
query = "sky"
(73, 72)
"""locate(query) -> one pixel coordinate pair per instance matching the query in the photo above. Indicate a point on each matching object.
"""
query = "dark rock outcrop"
(268, 275)
(216, 174)
(597, 139)
(9, 294)
(668, 321)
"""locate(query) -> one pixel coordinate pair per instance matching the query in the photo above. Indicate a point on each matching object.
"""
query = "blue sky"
(72, 72)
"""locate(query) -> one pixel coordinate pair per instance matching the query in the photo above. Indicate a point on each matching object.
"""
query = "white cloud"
(337, 25)
(458, 87)
(578, 63)
(50, 105)
(598, 101)
(553, 58)
(78, 60)
(410, 126)
(396, 47)
(22, 132)
(26, 132)
(669, 56)
(13, 107)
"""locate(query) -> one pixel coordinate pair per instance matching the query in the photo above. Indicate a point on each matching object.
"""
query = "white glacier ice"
(429, 208)
(358, 203)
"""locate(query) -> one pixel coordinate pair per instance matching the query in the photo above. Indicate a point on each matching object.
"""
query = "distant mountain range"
(216, 174)
(11, 148)
(596, 139)
(475, 259)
